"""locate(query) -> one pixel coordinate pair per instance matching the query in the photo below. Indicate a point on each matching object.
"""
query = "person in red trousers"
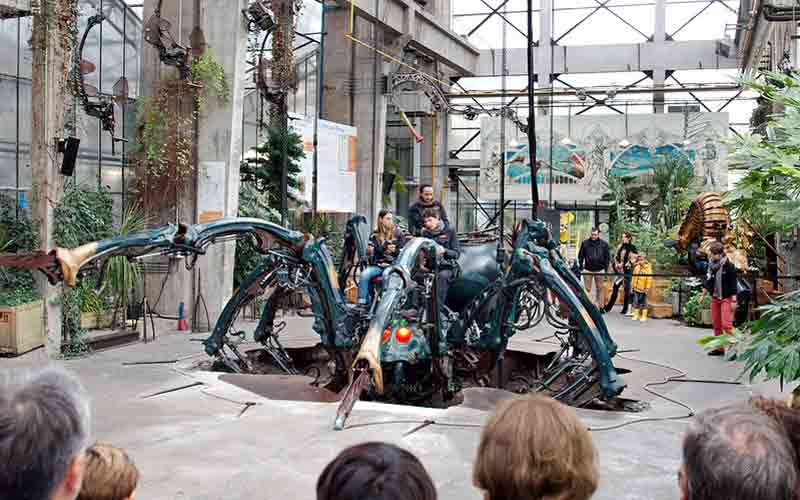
(721, 283)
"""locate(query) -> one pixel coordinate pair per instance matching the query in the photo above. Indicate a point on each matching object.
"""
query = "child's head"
(110, 474)
(639, 257)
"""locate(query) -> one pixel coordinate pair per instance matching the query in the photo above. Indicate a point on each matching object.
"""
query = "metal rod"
(19, 55)
(501, 240)
(317, 112)
(532, 118)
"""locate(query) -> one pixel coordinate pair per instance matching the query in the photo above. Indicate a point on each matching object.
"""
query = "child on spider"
(642, 282)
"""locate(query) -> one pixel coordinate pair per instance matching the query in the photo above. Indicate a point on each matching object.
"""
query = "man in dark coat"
(593, 260)
(425, 202)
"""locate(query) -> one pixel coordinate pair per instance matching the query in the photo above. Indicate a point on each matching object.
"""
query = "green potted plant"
(697, 311)
(83, 215)
(123, 277)
(20, 304)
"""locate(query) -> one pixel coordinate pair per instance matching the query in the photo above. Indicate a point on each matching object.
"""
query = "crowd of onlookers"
(532, 447)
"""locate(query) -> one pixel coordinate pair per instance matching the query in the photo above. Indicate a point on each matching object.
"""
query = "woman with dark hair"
(384, 246)
(375, 471)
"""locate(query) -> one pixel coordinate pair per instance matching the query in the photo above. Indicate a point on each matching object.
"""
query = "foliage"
(264, 170)
(732, 343)
(252, 203)
(82, 216)
(392, 167)
(164, 149)
(650, 240)
(325, 226)
(773, 347)
(207, 71)
(17, 234)
(122, 276)
(672, 183)
(694, 307)
(767, 195)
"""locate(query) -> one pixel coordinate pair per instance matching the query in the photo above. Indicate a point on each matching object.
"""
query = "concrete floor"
(192, 443)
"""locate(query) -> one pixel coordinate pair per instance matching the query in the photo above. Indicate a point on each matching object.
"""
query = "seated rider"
(447, 247)
(384, 247)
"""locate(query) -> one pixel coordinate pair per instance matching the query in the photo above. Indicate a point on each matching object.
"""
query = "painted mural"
(586, 150)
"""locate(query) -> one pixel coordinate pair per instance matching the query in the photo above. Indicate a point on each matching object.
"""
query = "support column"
(434, 154)
(659, 73)
(165, 292)
(51, 60)
(219, 152)
(544, 63)
(354, 95)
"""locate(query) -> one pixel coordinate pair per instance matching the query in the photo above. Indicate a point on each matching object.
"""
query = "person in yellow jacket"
(642, 282)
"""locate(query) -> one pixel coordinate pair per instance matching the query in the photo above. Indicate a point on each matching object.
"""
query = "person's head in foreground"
(375, 471)
(535, 448)
(44, 431)
(110, 474)
(737, 453)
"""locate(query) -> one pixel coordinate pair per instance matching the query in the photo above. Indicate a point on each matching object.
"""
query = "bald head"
(737, 452)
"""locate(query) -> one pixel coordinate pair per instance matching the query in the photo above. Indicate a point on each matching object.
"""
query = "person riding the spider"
(384, 247)
(447, 247)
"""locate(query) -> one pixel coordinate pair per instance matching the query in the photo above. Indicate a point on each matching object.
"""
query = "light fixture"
(624, 143)
(580, 94)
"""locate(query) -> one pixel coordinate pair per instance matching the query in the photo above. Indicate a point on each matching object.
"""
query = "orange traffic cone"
(183, 325)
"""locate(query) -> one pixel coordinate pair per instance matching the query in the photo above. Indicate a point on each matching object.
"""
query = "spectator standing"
(110, 474)
(425, 202)
(642, 282)
(623, 264)
(375, 471)
(593, 260)
(737, 453)
(535, 447)
(721, 283)
(44, 432)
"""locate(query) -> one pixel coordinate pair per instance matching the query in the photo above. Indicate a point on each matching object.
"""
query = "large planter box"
(95, 321)
(21, 328)
(660, 290)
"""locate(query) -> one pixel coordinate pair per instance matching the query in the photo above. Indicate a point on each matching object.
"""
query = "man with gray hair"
(737, 453)
(44, 431)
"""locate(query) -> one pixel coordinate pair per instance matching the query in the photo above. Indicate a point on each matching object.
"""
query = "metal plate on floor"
(281, 387)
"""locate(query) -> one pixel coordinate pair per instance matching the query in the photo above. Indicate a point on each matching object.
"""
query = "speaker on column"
(70, 155)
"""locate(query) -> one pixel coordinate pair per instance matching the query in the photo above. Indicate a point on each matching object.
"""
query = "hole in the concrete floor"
(317, 382)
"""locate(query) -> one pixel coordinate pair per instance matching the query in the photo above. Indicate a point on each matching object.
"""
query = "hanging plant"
(165, 138)
(210, 76)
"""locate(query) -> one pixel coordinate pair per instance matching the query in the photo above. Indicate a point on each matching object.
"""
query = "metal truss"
(671, 75)
(602, 5)
(671, 36)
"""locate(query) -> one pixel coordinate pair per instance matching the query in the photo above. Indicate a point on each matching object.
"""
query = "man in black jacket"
(593, 259)
(425, 202)
(721, 283)
(447, 247)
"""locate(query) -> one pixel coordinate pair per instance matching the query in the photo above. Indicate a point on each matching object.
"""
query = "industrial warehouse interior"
(399, 249)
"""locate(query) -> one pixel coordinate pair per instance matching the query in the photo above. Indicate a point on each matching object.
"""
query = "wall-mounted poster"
(586, 150)
(335, 157)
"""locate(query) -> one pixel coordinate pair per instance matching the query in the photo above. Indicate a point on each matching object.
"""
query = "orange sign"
(352, 149)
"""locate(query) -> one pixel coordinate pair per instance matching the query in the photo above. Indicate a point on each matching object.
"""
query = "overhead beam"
(613, 58)
(428, 33)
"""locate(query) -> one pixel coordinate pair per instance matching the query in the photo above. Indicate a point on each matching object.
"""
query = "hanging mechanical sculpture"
(157, 33)
(260, 21)
(93, 102)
